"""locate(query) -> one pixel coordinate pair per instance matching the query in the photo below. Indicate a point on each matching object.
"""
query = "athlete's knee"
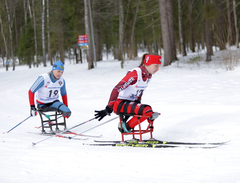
(65, 111)
(147, 110)
(66, 114)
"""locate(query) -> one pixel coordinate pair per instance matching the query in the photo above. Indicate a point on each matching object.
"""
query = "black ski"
(147, 145)
(155, 141)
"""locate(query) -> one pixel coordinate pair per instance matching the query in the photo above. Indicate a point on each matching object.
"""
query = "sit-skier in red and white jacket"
(126, 95)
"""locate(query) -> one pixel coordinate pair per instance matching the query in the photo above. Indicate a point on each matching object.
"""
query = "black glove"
(33, 111)
(101, 114)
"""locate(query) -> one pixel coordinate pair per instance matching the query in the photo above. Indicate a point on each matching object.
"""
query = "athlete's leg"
(60, 107)
(147, 111)
(132, 108)
(56, 106)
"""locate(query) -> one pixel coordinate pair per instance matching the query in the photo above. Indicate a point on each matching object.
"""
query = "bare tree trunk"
(160, 44)
(235, 23)
(182, 42)
(220, 38)
(43, 34)
(155, 46)
(10, 32)
(192, 42)
(97, 31)
(25, 13)
(208, 36)
(35, 34)
(121, 32)
(48, 34)
(62, 55)
(114, 34)
(168, 56)
(2, 50)
(92, 34)
(202, 36)
(132, 34)
(4, 38)
(29, 8)
(76, 55)
(171, 28)
(16, 32)
(230, 39)
(88, 32)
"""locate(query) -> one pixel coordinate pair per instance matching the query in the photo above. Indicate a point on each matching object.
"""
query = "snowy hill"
(198, 102)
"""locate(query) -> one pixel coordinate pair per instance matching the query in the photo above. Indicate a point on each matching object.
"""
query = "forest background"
(36, 32)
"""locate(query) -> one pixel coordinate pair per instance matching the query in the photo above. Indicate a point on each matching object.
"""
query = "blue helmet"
(58, 66)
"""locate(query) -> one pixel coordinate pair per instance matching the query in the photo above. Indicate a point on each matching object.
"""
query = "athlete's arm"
(34, 88)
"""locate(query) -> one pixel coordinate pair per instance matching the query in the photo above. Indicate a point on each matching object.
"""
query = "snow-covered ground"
(198, 102)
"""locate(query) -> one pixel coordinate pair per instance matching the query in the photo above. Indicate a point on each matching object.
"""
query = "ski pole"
(18, 124)
(95, 126)
(35, 143)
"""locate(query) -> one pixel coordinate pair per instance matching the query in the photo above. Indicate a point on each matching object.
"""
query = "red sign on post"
(83, 41)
